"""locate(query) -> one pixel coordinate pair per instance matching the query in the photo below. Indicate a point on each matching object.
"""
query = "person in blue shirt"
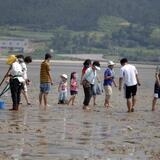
(108, 81)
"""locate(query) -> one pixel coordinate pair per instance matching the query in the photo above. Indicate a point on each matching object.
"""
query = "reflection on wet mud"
(68, 133)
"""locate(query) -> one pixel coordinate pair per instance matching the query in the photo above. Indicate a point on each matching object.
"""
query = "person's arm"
(138, 82)
(120, 83)
(157, 79)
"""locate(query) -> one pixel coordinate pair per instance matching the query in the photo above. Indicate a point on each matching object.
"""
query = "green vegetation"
(85, 26)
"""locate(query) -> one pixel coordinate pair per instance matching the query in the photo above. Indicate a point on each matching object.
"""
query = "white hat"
(97, 68)
(64, 76)
(111, 63)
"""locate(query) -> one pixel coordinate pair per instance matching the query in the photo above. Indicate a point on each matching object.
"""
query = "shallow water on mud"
(65, 132)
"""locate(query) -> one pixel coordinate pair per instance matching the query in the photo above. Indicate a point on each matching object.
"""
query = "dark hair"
(47, 56)
(28, 59)
(87, 63)
(71, 77)
(123, 60)
(96, 63)
(20, 56)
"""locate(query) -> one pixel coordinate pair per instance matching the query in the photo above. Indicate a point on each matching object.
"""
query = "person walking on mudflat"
(156, 88)
(129, 74)
(88, 81)
(45, 80)
(108, 81)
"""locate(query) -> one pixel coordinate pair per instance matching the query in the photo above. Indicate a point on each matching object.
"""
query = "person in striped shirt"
(45, 80)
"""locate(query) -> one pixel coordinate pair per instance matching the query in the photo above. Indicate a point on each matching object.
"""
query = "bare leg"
(45, 100)
(133, 103)
(154, 103)
(40, 98)
(94, 100)
(26, 96)
(106, 104)
(73, 98)
(129, 104)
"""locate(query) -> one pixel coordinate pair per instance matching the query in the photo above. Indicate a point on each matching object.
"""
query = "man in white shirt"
(129, 74)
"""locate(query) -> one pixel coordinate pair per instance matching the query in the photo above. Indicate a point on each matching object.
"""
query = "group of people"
(128, 80)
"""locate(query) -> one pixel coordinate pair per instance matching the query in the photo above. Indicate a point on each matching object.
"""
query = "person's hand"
(139, 84)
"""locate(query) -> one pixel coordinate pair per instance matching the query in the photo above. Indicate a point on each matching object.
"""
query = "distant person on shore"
(129, 74)
(156, 88)
(88, 81)
(62, 89)
(24, 62)
(109, 77)
(45, 80)
(73, 88)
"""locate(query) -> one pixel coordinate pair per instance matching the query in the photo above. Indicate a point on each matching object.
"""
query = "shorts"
(73, 93)
(45, 87)
(108, 90)
(130, 91)
(94, 92)
(156, 91)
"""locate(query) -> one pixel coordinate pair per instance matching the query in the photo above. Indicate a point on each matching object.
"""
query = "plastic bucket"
(2, 104)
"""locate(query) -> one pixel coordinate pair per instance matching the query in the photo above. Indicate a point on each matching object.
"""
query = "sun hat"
(97, 68)
(11, 59)
(96, 64)
(111, 63)
(64, 76)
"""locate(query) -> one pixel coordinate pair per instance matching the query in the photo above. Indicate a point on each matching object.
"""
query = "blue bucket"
(2, 104)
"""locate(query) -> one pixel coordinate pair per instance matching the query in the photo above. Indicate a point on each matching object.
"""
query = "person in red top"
(87, 63)
(73, 87)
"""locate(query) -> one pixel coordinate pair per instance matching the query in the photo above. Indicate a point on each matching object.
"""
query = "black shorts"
(130, 91)
(73, 92)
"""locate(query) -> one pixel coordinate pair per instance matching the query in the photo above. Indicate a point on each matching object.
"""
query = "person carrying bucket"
(16, 81)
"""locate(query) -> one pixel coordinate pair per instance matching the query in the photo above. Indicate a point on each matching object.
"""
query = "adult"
(45, 80)
(129, 74)
(88, 81)
(109, 76)
(86, 64)
(16, 81)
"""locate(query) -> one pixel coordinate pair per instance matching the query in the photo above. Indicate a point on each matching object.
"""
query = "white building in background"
(13, 44)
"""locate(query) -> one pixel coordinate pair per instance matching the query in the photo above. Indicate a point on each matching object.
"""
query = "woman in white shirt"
(89, 78)
(16, 80)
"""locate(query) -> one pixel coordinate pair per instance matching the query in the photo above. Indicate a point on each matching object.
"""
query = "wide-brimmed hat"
(111, 63)
(64, 76)
(11, 59)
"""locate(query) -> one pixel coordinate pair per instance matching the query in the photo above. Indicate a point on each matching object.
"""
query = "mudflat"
(65, 132)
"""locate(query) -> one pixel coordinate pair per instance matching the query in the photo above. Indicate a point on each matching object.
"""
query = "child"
(73, 87)
(156, 88)
(23, 62)
(62, 89)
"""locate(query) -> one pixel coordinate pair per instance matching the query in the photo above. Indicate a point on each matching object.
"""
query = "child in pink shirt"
(73, 87)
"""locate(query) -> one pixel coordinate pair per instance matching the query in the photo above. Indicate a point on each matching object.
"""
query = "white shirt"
(16, 69)
(24, 69)
(90, 75)
(128, 72)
